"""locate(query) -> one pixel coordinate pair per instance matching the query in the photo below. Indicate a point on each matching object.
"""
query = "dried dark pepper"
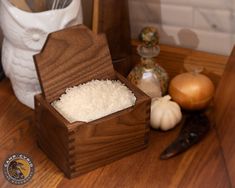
(195, 127)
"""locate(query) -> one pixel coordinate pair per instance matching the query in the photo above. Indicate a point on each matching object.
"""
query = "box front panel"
(110, 138)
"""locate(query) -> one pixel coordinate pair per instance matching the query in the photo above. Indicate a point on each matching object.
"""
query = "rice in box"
(93, 100)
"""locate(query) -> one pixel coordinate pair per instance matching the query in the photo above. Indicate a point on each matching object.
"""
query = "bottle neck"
(148, 63)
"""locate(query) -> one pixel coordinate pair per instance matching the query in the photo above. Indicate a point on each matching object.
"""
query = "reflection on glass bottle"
(149, 76)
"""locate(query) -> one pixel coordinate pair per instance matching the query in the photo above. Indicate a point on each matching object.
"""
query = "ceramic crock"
(24, 36)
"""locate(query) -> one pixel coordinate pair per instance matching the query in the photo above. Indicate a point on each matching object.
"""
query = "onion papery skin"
(192, 91)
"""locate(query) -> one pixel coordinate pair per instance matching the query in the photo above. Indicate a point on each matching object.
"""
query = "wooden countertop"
(202, 166)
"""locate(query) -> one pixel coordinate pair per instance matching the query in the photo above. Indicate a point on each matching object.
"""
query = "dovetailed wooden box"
(70, 57)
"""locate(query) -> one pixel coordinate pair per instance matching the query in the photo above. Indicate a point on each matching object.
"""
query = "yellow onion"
(192, 90)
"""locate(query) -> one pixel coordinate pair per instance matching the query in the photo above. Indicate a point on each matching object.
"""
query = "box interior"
(73, 62)
(140, 96)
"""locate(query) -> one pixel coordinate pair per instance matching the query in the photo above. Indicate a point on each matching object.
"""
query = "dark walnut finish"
(225, 115)
(66, 60)
(112, 18)
(202, 166)
(71, 57)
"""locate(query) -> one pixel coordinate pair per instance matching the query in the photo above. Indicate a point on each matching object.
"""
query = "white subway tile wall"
(233, 40)
(197, 24)
(209, 19)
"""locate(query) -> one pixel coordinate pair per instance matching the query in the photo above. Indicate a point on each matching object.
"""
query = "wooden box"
(70, 57)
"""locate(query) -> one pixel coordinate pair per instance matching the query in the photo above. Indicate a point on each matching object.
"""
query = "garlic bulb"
(165, 114)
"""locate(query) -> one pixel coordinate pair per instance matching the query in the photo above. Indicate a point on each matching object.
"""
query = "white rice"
(93, 100)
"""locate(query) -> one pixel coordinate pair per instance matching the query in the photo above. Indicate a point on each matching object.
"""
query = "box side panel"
(108, 139)
(52, 135)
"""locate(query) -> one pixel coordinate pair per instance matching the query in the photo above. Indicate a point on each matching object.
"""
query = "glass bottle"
(148, 76)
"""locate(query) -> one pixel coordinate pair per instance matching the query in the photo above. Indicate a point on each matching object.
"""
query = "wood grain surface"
(37, 6)
(71, 57)
(21, 4)
(202, 166)
(225, 115)
(112, 18)
(81, 147)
